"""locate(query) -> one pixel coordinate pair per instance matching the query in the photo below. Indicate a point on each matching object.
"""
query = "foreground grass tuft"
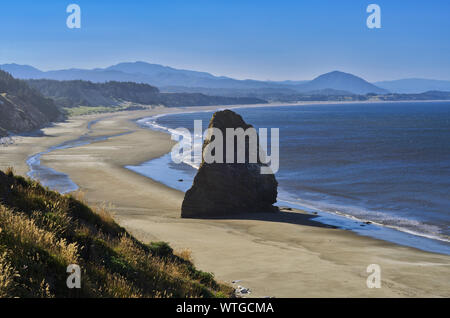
(42, 232)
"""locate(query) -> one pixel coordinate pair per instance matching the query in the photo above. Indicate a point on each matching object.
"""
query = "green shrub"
(161, 249)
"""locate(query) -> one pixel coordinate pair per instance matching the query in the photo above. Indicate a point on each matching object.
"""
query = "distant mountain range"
(138, 72)
(37, 99)
(169, 79)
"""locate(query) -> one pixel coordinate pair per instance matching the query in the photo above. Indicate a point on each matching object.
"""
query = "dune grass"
(42, 232)
(89, 110)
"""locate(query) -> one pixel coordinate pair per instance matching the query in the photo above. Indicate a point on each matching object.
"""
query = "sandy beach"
(284, 255)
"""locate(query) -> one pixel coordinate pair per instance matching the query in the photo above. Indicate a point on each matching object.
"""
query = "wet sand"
(285, 255)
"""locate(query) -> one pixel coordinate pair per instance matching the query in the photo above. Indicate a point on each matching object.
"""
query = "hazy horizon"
(267, 40)
(219, 75)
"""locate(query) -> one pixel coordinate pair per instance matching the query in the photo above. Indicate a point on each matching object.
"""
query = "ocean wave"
(379, 218)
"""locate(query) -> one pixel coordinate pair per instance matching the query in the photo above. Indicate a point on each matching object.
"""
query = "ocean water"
(388, 163)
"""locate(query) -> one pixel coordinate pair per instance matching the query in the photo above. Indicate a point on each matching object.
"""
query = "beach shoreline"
(289, 257)
(339, 217)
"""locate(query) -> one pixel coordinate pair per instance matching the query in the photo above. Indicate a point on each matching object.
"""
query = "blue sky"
(256, 39)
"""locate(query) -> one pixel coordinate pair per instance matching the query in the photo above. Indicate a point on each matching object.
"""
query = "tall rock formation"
(226, 189)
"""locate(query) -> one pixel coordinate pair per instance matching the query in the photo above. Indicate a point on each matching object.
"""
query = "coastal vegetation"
(89, 110)
(112, 94)
(26, 105)
(42, 232)
(23, 108)
(83, 97)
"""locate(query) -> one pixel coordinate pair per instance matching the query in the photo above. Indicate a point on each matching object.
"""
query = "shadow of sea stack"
(227, 189)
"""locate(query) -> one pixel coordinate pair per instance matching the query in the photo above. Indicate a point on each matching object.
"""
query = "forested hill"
(84, 93)
(23, 108)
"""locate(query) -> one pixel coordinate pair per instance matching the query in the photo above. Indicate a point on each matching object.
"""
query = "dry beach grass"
(43, 232)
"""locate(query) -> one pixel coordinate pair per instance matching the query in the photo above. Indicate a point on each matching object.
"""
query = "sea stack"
(229, 189)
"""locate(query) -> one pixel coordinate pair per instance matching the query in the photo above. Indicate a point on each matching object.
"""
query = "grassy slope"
(42, 232)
